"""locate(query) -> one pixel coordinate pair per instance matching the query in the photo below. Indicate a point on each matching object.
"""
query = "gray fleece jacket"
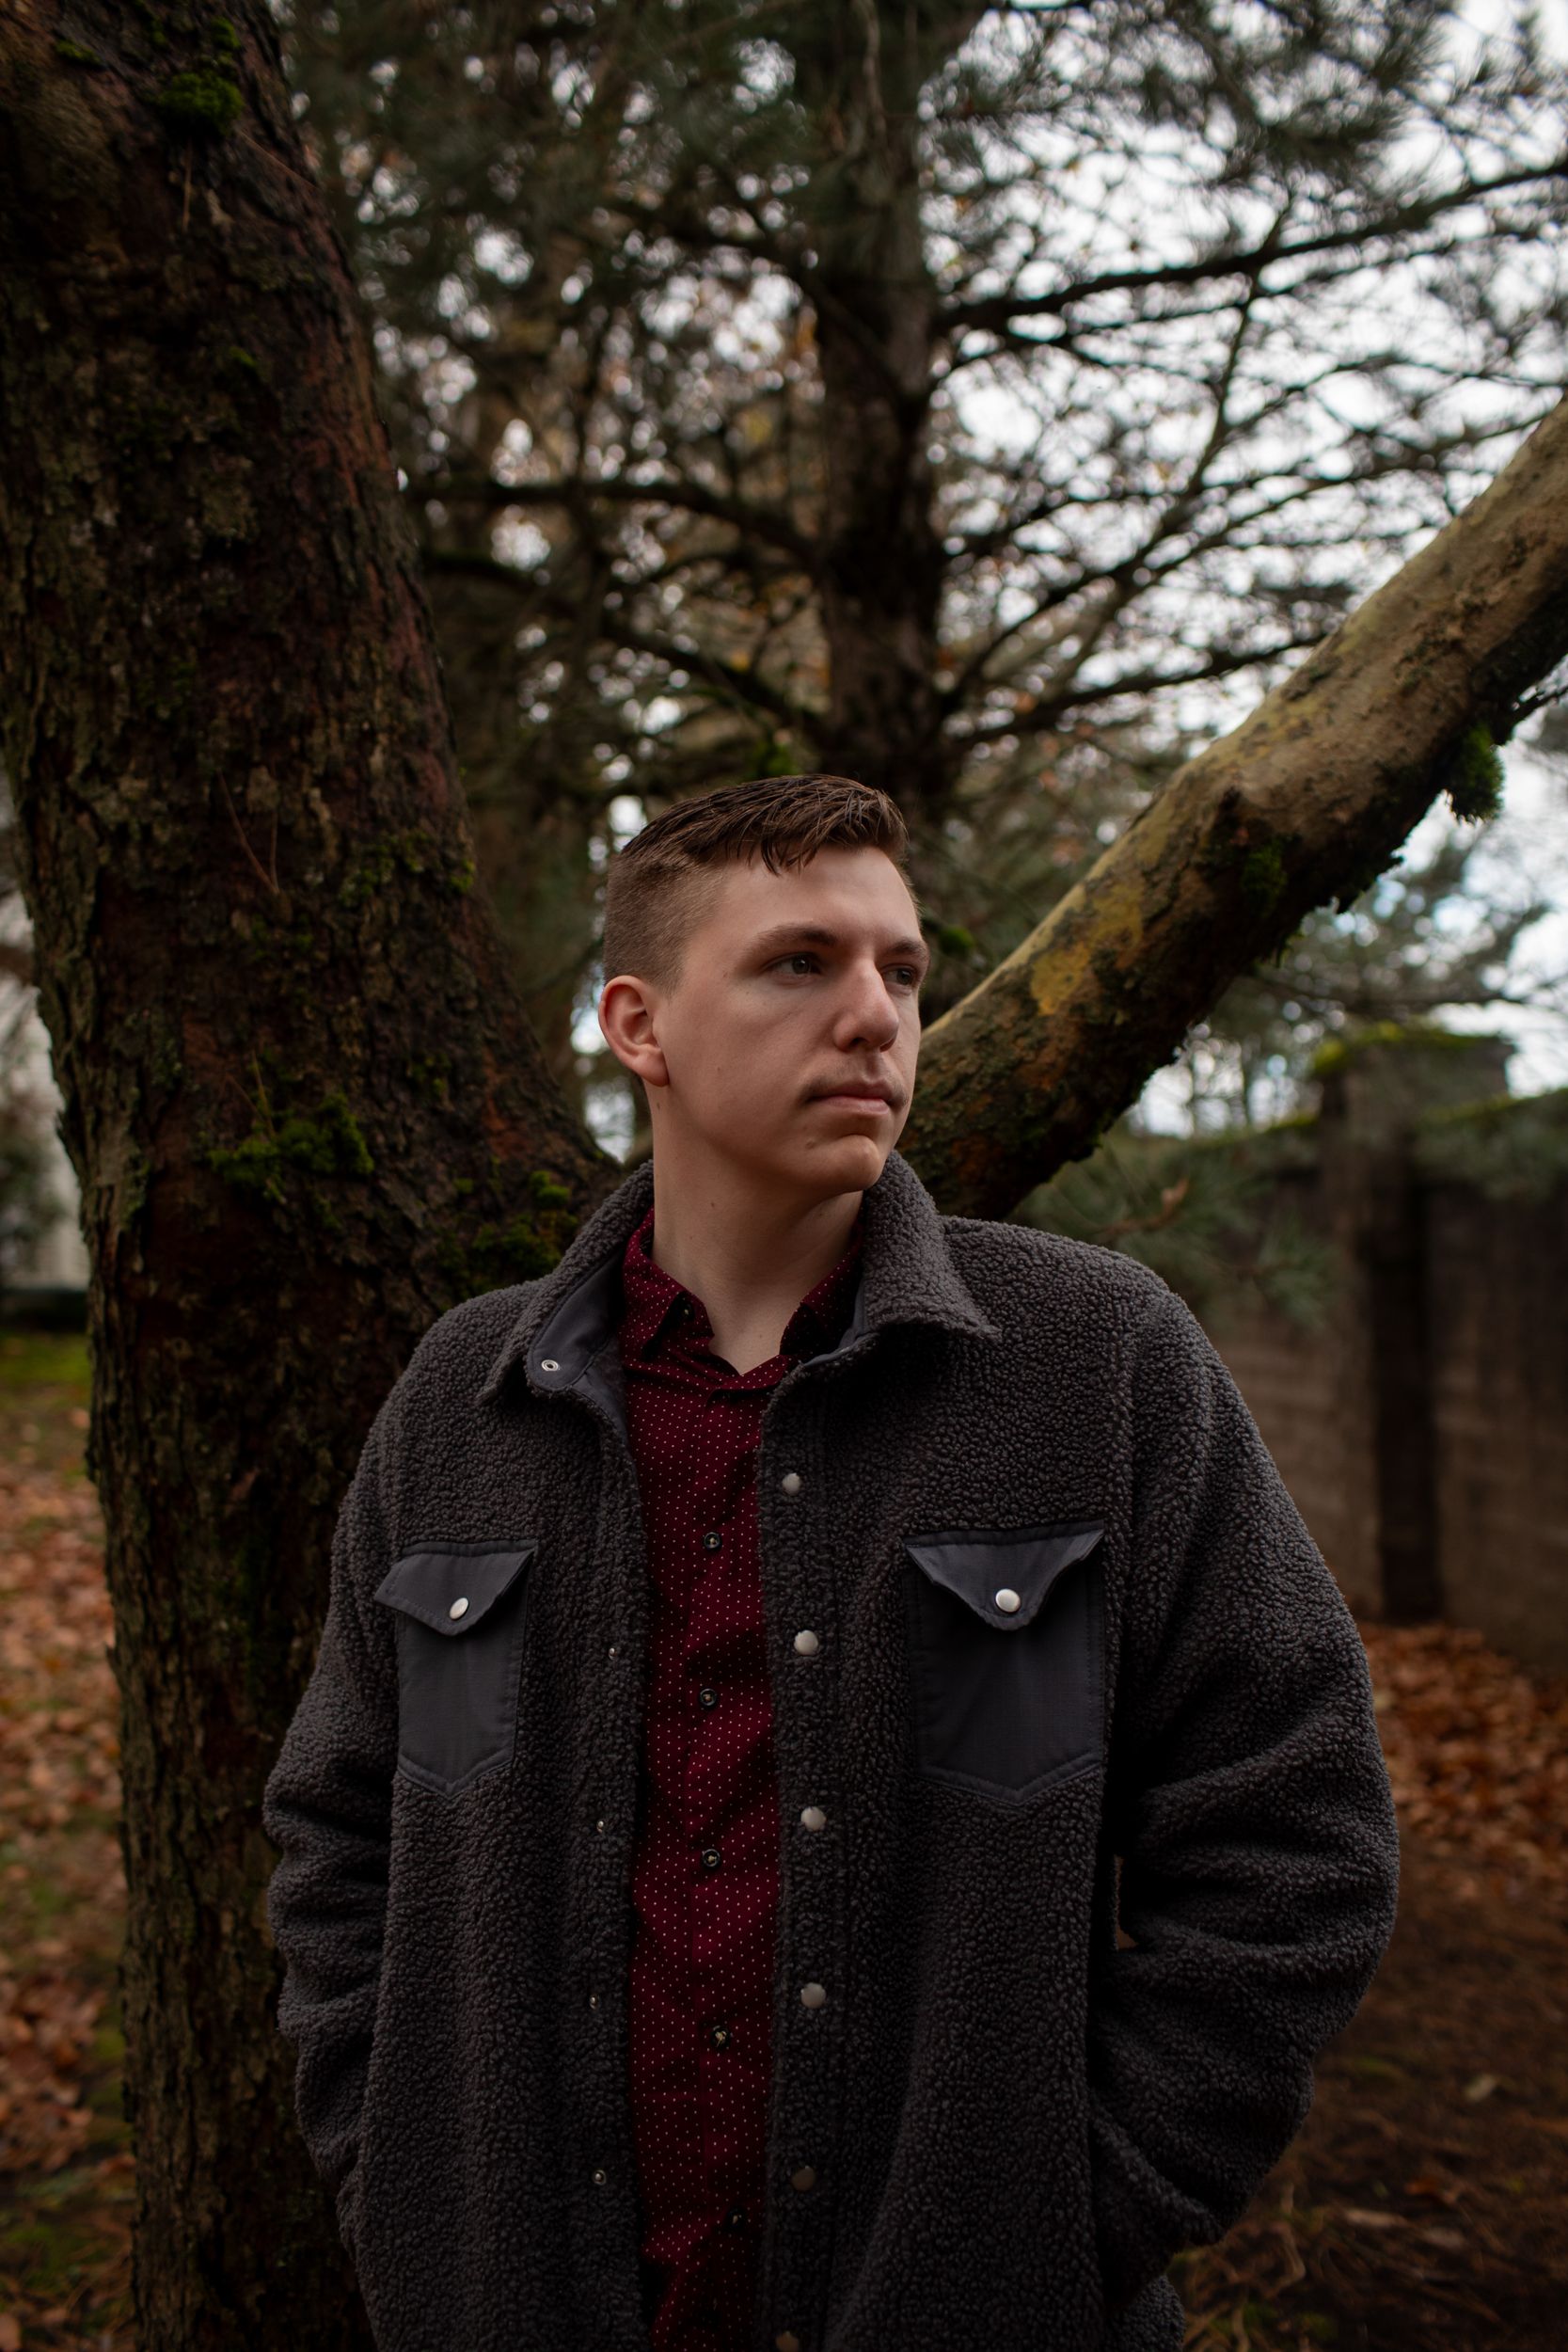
(1036, 1598)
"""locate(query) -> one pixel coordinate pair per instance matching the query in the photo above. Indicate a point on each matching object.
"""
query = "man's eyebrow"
(784, 935)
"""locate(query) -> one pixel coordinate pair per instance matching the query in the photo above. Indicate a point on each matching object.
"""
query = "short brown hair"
(662, 884)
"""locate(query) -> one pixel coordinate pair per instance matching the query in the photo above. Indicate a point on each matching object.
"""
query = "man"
(750, 1648)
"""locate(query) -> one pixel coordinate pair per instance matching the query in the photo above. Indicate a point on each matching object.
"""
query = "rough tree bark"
(1307, 802)
(879, 564)
(304, 1108)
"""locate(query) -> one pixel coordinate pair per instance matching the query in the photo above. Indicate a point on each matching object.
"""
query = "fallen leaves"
(1477, 1752)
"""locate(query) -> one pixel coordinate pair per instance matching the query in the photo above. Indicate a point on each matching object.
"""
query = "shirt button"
(812, 1996)
(601, 2176)
(790, 1482)
(735, 2217)
(1007, 1599)
(710, 1857)
(707, 1697)
(814, 1818)
(807, 1644)
(712, 1540)
(805, 2178)
(787, 2343)
(459, 1607)
(719, 2035)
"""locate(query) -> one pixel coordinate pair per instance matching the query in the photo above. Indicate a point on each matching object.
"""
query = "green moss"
(1473, 779)
(1263, 878)
(199, 103)
(327, 1142)
(953, 940)
(414, 851)
(225, 39)
(1337, 1051)
(432, 1075)
(73, 53)
(1510, 1147)
(514, 1249)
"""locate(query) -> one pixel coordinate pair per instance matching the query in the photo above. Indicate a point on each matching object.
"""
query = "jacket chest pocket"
(1007, 1654)
(461, 1610)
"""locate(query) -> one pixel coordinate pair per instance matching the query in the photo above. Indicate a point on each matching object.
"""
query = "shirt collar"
(655, 1301)
(568, 1316)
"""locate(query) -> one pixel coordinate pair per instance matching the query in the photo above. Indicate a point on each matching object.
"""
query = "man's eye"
(911, 972)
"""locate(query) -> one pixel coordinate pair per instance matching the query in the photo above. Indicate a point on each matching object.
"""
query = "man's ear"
(629, 1015)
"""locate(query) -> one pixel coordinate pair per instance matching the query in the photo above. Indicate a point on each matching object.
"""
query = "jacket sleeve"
(328, 1808)
(1248, 1799)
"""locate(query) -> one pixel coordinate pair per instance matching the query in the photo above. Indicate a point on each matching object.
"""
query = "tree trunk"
(305, 1110)
(1307, 801)
(880, 566)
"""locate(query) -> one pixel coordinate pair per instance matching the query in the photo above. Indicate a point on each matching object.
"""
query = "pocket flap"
(429, 1583)
(977, 1564)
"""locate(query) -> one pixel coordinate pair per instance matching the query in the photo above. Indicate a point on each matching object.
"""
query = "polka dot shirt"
(704, 1873)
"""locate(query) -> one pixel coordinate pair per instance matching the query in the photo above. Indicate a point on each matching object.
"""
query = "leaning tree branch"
(1305, 802)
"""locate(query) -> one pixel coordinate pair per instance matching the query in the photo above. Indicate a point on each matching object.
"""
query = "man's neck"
(749, 1262)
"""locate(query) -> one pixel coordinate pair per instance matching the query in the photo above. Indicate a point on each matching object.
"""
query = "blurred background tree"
(985, 401)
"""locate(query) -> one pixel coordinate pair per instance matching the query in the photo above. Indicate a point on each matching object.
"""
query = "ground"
(1423, 2208)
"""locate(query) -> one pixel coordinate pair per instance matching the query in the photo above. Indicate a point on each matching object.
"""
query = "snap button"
(601, 2176)
(720, 2037)
(1007, 1599)
(814, 1818)
(459, 1607)
(790, 1482)
(547, 1363)
(614, 1650)
(805, 2178)
(735, 2217)
(600, 1827)
(712, 1540)
(707, 1697)
(592, 2000)
(807, 1644)
(710, 1857)
(812, 1996)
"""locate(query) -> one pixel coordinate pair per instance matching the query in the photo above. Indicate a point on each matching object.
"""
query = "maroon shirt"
(706, 1871)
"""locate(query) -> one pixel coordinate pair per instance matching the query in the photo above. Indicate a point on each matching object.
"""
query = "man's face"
(794, 987)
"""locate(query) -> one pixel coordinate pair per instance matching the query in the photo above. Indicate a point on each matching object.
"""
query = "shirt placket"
(722, 1827)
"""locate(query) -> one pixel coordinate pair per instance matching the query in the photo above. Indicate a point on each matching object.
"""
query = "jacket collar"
(907, 1276)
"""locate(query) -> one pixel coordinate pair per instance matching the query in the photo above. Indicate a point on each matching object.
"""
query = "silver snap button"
(1007, 1599)
(547, 1363)
(805, 2178)
(790, 1482)
(807, 1644)
(601, 2176)
(599, 1826)
(814, 1818)
(812, 1996)
(592, 2000)
(614, 1650)
(458, 1609)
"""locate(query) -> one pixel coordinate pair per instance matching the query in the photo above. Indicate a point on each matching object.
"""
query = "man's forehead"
(836, 885)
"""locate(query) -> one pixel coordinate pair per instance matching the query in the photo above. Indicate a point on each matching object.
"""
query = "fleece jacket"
(1049, 1646)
